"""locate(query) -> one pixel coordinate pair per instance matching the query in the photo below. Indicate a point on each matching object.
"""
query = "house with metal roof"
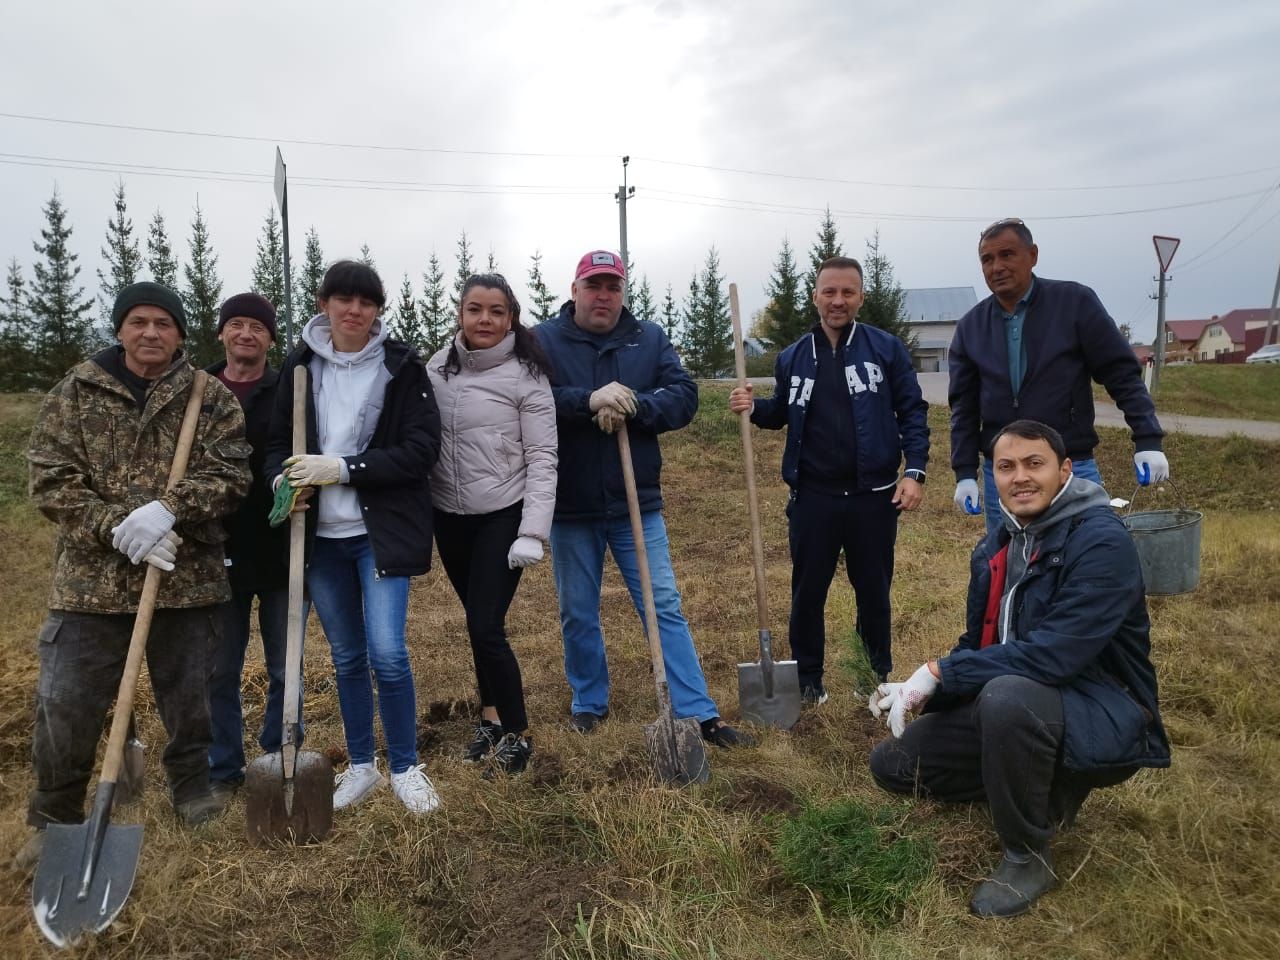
(933, 313)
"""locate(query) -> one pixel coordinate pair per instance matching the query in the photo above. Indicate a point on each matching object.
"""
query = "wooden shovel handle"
(150, 591)
(297, 559)
(642, 563)
(749, 464)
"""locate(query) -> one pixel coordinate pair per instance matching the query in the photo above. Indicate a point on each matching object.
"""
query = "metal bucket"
(1168, 543)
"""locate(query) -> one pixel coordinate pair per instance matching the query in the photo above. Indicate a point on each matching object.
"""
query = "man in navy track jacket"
(851, 403)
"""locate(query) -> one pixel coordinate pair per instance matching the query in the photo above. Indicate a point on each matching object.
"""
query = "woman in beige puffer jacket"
(494, 492)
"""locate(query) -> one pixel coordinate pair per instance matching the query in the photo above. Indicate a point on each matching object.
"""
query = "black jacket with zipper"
(391, 475)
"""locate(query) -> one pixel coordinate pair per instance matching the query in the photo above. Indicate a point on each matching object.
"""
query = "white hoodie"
(342, 385)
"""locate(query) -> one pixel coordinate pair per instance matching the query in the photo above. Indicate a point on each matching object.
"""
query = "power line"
(655, 160)
(1249, 213)
(1248, 236)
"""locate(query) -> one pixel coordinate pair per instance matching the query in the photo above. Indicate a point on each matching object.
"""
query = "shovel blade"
(782, 710)
(677, 751)
(299, 810)
(63, 917)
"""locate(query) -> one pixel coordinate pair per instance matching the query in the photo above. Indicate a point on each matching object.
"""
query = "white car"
(1267, 354)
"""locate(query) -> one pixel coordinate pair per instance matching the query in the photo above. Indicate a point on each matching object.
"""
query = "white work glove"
(919, 687)
(616, 395)
(883, 698)
(165, 553)
(525, 552)
(609, 420)
(142, 529)
(313, 470)
(968, 497)
(1151, 466)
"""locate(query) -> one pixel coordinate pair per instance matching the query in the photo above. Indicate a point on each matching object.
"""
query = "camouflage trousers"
(81, 660)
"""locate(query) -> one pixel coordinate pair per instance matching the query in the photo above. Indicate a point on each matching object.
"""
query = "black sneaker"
(584, 723)
(511, 757)
(813, 695)
(716, 731)
(486, 737)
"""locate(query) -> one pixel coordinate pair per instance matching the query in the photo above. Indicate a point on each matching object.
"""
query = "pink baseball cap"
(600, 261)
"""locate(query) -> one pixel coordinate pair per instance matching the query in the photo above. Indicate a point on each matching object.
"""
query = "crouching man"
(1050, 690)
(100, 455)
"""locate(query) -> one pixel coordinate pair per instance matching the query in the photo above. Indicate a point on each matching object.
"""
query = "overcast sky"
(742, 121)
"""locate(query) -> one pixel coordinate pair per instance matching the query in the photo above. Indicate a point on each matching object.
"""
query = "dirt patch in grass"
(516, 924)
(754, 795)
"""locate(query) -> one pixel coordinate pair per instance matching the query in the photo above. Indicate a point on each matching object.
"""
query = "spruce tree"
(670, 316)
(491, 266)
(310, 277)
(708, 332)
(202, 296)
(689, 314)
(784, 318)
(267, 277)
(15, 333)
(826, 246)
(161, 262)
(884, 300)
(463, 274)
(407, 324)
(62, 333)
(642, 307)
(121, 254)
(543, 305)
(434, 307)
(366, 257)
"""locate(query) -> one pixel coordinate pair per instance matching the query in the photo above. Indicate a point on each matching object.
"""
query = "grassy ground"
(584, 857)
(1248, 392)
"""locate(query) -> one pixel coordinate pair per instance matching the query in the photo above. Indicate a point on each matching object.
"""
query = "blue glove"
(1150, 466)
(968, 498)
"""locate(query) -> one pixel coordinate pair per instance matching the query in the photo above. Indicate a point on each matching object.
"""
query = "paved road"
(934, 387)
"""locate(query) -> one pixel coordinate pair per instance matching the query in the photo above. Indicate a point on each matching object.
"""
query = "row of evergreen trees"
(48, 326)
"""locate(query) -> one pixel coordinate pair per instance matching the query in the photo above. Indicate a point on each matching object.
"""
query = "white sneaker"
(355, 783)
(414, 790)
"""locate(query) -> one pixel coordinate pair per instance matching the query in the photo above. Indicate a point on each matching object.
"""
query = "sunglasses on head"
(1000, 225)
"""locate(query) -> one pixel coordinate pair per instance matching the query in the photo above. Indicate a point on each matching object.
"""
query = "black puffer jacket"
(391, 475)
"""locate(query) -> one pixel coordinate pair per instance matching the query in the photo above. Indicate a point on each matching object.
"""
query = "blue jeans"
(577, 553)
(1087, 469)
(363, 616)
(226, 753)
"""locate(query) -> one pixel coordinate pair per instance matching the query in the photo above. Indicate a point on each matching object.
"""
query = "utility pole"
(1165, 249)
(1270, 335)
(622, 196)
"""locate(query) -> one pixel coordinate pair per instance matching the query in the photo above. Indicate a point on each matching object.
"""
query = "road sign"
(279, 179)
(1166, 247)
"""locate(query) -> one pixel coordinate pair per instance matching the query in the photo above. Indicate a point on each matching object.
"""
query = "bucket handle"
(1182, 501)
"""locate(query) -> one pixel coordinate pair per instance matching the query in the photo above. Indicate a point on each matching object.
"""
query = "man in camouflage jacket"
(100, 455)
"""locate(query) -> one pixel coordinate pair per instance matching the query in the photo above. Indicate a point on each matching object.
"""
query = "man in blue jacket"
(1050, 690)
(851, 403)
(607, 368)
(1031, 351)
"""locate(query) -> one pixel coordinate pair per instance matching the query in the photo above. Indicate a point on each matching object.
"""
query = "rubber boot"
(1018, 883)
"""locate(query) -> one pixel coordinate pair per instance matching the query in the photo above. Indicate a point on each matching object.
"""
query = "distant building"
(933, 313)
(1180, 339)
(1226, 339)
(755, 347)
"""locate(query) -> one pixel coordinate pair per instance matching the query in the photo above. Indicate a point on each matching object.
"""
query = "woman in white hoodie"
(494, 490)
(373, 434)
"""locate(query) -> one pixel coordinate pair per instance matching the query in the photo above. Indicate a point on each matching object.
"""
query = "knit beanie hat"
(251, 305)
(148, 294)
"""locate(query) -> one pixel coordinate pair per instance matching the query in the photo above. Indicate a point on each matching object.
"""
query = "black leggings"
(473, 548)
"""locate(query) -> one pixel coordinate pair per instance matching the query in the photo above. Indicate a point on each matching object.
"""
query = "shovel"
(768, 691)
(86, 870)
(289, 794)
(675, 744)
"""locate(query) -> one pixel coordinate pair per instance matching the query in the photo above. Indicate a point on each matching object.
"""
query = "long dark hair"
(527, 349)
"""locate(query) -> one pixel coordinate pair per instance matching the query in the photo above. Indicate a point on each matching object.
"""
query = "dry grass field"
(585, 857)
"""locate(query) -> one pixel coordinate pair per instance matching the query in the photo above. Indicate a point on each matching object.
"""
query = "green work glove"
(286, 497)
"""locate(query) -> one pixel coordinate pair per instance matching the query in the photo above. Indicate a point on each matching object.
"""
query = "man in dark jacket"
(609, 368)
(1032, 350)
(1050, 690)
(851, 403)
(257, 561)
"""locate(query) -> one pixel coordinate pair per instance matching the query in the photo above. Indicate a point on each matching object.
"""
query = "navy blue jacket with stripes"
(890, 415)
